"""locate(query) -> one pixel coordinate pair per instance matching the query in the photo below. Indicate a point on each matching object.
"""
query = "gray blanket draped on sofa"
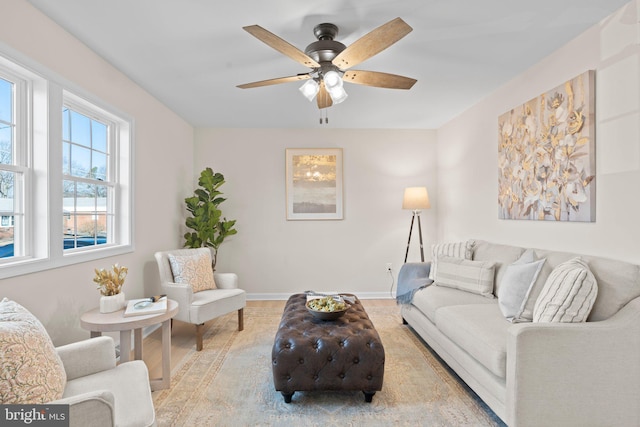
(411, 277)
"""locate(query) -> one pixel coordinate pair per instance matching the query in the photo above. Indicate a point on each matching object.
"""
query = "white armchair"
(98, 392)
(200, 307)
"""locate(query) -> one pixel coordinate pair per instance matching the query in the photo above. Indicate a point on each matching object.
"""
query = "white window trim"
(44, 232)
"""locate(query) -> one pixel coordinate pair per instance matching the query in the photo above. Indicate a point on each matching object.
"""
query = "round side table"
(98, 323)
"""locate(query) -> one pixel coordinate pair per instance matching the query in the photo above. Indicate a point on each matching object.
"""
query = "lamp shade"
(416, 198)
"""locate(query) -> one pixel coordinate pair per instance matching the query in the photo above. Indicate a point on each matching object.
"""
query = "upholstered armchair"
(198, 306)
(98, 392)
(82, 375)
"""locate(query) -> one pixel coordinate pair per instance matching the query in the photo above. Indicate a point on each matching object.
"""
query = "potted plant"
(209, 227)
(110, 284)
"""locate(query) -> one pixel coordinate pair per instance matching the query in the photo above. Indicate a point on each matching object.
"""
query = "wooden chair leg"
(199, 333)
(241, 319)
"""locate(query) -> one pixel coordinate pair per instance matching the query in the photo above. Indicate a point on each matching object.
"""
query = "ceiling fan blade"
(275, 81)
(372, 43)
(281, 45)
(323, 98)
(374, 78)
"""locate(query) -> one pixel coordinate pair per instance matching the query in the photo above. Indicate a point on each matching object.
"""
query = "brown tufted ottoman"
(312, 354)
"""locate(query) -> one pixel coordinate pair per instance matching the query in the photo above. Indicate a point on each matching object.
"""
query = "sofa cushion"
(480, 330)
(194, 270)
(501, 255)
(457, 250)
(470, 276)
(431, 298)
(31, 371)
(568, 295)
(618, 282)
(519, 277)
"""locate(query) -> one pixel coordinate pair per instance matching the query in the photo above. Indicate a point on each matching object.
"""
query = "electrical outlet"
(389, 267)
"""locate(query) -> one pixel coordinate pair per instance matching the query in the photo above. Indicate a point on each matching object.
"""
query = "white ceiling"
(191, 54)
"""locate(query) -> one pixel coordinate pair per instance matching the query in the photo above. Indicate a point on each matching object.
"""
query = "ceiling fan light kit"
(331, 61)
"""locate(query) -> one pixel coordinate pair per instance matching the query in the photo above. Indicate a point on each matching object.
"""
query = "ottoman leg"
(287, 396)
(368, 396)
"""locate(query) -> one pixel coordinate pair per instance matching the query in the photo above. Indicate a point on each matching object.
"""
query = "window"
(12, 168)
(65, 174)
(87, 191)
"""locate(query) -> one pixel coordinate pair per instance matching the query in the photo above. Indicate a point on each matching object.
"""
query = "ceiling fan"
(331, 61)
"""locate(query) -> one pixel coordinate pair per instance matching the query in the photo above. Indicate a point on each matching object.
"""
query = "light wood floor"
(183, 336)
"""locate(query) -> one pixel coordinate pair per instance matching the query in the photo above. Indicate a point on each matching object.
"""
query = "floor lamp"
(416, 199)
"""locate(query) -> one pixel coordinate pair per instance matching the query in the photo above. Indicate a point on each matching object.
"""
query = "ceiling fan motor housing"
(326, 48)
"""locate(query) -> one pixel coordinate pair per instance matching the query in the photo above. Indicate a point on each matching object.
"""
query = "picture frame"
(547, 155)
(314, 183)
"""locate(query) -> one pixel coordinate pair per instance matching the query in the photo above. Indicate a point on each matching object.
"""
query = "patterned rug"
(229, 383)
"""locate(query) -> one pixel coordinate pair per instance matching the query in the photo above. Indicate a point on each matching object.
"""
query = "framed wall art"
(314, 183)
(546, 155)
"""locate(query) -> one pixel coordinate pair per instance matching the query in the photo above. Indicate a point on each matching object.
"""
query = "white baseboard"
(285, 296)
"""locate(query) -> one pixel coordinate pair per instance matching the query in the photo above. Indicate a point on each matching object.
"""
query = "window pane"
(66, 118)
(80, 161)
(66, 155)
(99, 166)
(80, 129)
(6, 237)
(6, 144)
(7, 205)
(6, 101)
(7, 180)
(99, 136)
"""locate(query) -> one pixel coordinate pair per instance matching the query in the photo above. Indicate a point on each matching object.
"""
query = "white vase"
(111, 303)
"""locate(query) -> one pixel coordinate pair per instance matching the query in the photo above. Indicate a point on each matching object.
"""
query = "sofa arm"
(95, 409)
(88, 357)
(575, 374)
(226, 280)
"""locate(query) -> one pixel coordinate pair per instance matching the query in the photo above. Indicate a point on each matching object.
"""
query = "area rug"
(229, 383)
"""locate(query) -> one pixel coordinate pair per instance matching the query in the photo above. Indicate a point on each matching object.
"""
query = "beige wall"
(467, 162)
(275, 257)
(163, 171)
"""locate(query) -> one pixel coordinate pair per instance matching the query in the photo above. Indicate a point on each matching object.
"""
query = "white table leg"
(125, 345)
(165, 381)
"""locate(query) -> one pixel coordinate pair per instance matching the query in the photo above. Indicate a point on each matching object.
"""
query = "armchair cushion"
(194, 269)
(31, 371)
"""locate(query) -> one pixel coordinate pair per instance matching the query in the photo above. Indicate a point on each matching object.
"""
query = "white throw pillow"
(457, 250)
(568, 294)
(31, 371)
(471, 276)
(194, 270)
(518, 278)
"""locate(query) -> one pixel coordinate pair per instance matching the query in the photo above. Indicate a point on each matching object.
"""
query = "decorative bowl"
(327, 315)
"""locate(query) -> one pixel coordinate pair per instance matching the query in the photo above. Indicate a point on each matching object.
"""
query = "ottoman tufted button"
(301, 361)
(341, 376)
(329, 359)
(315, 377)
(369, 377)
(356, 360)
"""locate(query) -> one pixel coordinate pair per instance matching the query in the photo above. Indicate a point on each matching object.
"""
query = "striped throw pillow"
(457, 250)
(466, 275)
(568, 294)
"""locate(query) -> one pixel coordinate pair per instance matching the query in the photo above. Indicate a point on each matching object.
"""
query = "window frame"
(44, 179)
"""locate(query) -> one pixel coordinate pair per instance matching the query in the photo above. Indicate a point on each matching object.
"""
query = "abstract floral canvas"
(546, 155)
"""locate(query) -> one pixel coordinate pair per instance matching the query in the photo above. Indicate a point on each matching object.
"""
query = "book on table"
(142, 306)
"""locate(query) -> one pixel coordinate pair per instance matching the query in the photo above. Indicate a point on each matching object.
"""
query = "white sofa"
(541, 374)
